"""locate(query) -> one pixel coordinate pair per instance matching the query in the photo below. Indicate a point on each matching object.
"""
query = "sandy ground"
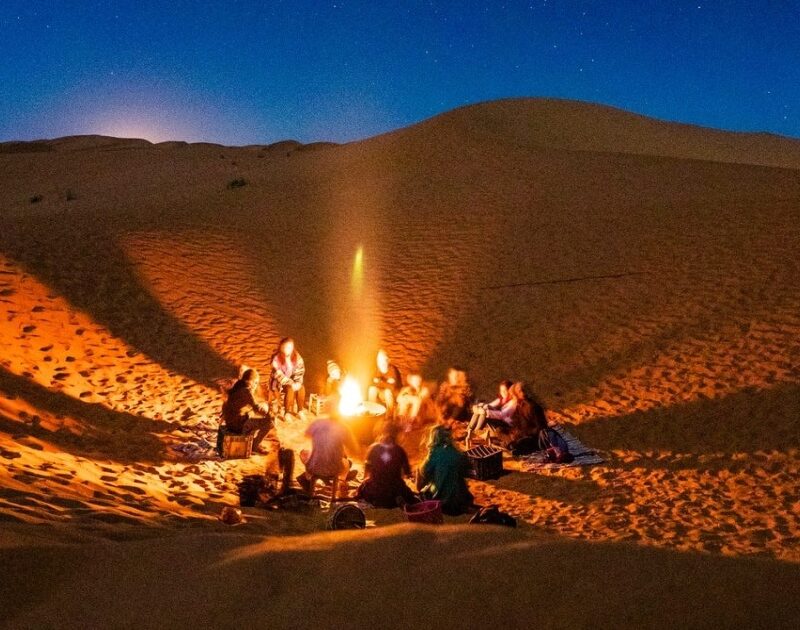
(643, 276)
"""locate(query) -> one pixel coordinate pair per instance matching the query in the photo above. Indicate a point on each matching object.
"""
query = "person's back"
(238, 403)
(444, 472)
(386, 465)
(328, 439)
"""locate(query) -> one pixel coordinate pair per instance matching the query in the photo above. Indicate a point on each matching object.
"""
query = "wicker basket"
(428, 512)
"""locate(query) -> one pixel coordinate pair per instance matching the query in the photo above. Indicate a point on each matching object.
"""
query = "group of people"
(515, 419)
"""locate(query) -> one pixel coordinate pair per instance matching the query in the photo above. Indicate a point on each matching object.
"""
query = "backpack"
(554, 446)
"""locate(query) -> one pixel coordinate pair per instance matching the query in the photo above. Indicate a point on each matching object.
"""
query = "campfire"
(351, 401)
(362, 415)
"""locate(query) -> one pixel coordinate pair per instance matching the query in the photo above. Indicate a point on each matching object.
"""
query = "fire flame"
(350, 397)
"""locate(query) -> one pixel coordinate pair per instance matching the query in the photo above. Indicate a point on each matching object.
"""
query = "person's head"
(414, 380)
(286, 347)
(504, 387)
(334, 371)
(517, 390)
(439, 437)
(456, 377)
(388, 432)
(382, 361)
(251, 378)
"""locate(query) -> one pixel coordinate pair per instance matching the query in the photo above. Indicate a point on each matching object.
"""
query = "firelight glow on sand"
(358, 271)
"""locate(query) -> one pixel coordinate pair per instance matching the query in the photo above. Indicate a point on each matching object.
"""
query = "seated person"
(442, 476)
(385, 466)
(497, 413)
(330, 440)
(527, 423)
(386, 382)
(410, 398)
(334, 379)
(454, 397)
(239, 408)
(286, 379)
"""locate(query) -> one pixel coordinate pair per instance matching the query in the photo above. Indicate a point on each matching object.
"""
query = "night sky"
(256, 72)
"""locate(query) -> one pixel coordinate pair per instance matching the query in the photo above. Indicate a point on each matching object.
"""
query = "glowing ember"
(351, 399)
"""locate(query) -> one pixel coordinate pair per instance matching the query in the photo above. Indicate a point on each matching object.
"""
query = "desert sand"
(643, 275)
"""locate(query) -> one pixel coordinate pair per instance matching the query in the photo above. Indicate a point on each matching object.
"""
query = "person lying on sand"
(386, 382)
(286, 380)
(331, 440)
(454, 397)
(497, 413)
(442, 476)
(242, 414)
(385, 467)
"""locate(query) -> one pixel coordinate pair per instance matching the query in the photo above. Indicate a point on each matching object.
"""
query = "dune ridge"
(644, 276)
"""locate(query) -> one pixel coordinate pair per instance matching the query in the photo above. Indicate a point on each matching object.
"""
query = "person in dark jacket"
(385, 467)
(386, 382)
(286, 381)
(442, 476)
(242, 414)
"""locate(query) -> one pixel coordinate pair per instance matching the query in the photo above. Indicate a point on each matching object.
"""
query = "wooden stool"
(237, 446)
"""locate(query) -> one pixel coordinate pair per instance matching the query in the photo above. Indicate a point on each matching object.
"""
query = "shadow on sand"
(106, 286)
(114, 435)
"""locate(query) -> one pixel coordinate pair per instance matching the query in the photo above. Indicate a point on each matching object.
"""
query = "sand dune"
(643, 275)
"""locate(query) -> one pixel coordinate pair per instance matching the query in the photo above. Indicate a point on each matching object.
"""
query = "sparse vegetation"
(236, 183)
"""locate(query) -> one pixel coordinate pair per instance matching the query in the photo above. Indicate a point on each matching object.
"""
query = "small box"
(486, 462)
(317, 404)
(237, 446)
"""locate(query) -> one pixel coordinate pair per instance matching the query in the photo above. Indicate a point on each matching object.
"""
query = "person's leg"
(289, 399)
(388, 397)
(414, 404)
(259, 426)
(300, 397)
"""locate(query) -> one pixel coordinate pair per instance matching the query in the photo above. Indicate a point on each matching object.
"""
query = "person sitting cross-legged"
(442, 476)
(242, 414)
(385, 468)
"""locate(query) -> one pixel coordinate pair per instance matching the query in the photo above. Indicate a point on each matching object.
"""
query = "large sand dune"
(645, 276)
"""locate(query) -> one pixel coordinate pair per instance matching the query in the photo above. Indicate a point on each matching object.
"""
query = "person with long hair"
(528, 422)
(241, 413)
(288, 374)
(442, 476)
(454, 398)
(498, 413)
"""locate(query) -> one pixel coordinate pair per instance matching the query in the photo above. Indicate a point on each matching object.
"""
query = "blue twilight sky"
(244, 71)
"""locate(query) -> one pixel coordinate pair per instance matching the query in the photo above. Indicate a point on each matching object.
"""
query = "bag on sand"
(491, 515)
(554, 446)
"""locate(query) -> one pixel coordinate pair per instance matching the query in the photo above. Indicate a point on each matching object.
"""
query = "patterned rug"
(584, 456)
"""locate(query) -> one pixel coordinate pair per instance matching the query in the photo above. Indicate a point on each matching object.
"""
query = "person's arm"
(299, 372)
(505, 413)
(495, 404)
(258, 407)
(406, 466)
(278, 374)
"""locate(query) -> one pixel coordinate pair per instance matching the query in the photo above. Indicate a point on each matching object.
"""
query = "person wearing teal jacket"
(442, 476)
